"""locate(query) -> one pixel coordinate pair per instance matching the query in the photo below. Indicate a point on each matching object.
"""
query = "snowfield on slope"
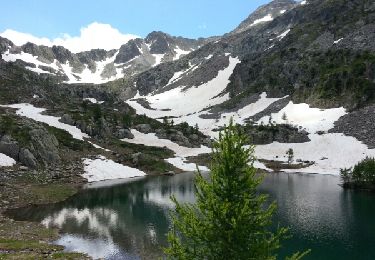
(35, 113)
(329, 152)
(182, 102)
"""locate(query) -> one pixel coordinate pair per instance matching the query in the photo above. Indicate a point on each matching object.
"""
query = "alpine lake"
(129, 219)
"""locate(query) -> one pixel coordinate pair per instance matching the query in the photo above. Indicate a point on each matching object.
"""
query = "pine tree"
(230, 220)
(290, 154)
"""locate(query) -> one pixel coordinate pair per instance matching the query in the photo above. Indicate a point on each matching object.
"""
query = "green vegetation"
(230, 220)
(10, 126)
(33, 249)
(18, 245)
(50, 193)
(362, 176)
(341, 71)
(67, 139)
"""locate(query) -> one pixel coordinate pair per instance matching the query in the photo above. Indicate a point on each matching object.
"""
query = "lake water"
(129, 220)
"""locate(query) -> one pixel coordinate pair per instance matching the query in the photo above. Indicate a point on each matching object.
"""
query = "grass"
(50, 193)
(34, 249)
(18, 245)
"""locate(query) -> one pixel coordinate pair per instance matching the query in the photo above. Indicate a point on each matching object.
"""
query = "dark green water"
(130, 220)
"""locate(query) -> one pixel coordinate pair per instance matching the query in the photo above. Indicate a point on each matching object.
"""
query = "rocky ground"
(21, 186)
(359, 124)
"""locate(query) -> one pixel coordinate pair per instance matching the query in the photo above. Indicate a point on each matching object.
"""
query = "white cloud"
(94, 36)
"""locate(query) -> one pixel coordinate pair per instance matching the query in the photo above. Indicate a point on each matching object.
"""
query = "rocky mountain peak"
(265, 13)
(158, 42)
(5, 44)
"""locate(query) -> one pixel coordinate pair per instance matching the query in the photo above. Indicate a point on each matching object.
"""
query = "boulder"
(27, 158)
(67, 119)
(9, 147)
(143, 128)
(124, 133)
(44, 146)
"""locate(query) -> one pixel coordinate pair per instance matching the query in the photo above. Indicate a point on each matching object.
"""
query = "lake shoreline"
(38, 228)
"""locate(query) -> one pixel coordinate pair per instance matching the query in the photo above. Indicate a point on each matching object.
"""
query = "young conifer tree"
(230, 220)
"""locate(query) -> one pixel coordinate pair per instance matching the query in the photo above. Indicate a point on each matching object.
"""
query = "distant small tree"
(270, 120)
(165, 121)
(127, 120)
(290, 154)
(345, 175)
(284, 117)
(97, 112)
(196, 128)
(230, 219)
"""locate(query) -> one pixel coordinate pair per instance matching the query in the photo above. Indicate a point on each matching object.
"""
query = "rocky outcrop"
(124, 133)
(9, 147)
(44, 146)
(36, 148)
(359, 124)
(129, 51)
(27, 158)
(259, 134)
(264, 14)
(143, 128)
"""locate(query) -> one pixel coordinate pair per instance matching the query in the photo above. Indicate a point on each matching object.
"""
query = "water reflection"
(130, 220)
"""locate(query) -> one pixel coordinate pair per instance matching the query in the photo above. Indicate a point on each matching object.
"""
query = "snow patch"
(6, 161)
(180, 52)
(94, 101)
(103, 169)
(158, 59)
(181, 163)
(266, 18)
(282, 35)
(337, 41)
(209, 57)
(37, 70)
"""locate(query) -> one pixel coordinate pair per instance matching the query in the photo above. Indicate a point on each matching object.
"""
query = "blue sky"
(193, 18)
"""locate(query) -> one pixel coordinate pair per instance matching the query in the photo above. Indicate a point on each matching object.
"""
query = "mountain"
(298, 78)
(99, 66)
(265, 14)
(312, 65)
(297, 75)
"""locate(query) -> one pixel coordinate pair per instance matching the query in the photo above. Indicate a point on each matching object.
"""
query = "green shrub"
(362, 173)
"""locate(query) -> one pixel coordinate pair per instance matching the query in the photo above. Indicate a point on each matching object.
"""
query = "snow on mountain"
(266, 18)
(98, 66)
(93, 36)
